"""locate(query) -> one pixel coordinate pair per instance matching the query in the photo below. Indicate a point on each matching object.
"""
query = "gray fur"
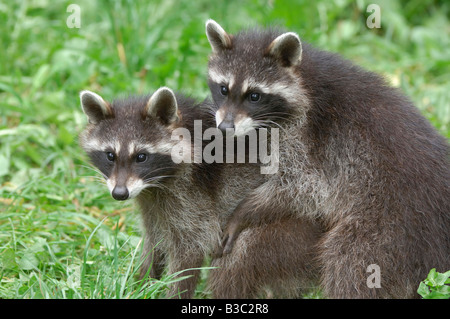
(183, 214)
(356, 155)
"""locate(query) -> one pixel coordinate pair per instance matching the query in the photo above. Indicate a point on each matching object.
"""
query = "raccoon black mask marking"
(183, 206)
(354, 153)
(249, 77)
(126, 140)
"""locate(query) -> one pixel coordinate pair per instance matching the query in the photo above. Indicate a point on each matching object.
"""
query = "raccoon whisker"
(95, 169)
(280, 114)
(212, 108)
(263, 119)
(153, 171)
(87, 166)
(155, 185)
(147, 190)
(279, 118)
(268, 123)
(271, 122)
(215, 105)
(160, 186)
(97, 179)
(212, 114)
(274, 115)
(211, 111)
(148, 177)
(157, 178)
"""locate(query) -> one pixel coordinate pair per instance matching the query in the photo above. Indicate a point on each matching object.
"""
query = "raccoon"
(184, 204)
(355, 155)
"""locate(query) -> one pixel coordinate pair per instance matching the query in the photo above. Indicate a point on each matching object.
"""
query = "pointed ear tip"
(88, 93)
(289, 38)
(210, 22)
(212, 27)
(83, 95)
(296, 36)
(165, 89)
(290, 35)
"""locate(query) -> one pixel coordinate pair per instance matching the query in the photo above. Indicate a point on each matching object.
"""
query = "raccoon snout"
(224, 119)
(120, 193)
(226, 124)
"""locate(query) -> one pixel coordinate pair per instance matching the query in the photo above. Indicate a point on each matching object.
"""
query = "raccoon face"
(251, 77)
(129, 141)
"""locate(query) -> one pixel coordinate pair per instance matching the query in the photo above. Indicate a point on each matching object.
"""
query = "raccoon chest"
(299, 179)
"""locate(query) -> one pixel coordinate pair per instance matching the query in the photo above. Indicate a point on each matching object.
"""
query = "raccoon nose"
(226, 124)
(120, 193)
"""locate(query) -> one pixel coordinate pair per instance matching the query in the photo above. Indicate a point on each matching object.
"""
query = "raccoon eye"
(110, 156)
(141, 157)
(223, 90)
(255, 97)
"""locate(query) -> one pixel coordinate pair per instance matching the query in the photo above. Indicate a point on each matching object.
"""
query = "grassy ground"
(61, 235)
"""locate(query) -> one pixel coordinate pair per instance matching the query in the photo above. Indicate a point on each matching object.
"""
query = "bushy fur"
(355, 154)
(276, 260)
(183, 212)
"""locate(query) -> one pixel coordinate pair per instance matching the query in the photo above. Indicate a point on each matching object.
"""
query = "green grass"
(435, 286)
(58, 224)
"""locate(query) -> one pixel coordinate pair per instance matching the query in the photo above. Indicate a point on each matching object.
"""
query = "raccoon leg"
(344, 263)
(278, 257)
(259, 208)
(182, 265)
(154, 259)
(364, 256)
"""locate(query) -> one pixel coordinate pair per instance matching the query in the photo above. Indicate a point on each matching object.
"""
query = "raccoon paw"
(228, 243)
(219, 251)
(229, 237)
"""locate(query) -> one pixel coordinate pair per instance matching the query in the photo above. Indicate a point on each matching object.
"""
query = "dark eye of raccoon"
(141, 157)
(110, 156)
(223, 90)
(254, 97)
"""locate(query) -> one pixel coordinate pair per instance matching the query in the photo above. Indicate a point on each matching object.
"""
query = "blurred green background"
(61, 235)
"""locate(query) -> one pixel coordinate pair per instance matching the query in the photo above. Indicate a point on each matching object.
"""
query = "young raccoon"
(354, 154)
(184, 205)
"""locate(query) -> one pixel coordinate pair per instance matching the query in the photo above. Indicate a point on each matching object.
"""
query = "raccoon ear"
(95, 107)
(163, 105)
(287, 48)
(217, 37)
